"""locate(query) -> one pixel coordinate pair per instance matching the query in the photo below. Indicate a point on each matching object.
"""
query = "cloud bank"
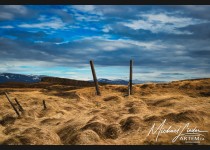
(165, 42)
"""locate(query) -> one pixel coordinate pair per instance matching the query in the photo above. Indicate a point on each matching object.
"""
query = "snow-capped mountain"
(11, 77)
(123, 82)
(116, 81)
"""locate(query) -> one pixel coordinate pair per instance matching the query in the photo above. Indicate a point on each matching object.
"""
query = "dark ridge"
(71, 82)
(192, 79)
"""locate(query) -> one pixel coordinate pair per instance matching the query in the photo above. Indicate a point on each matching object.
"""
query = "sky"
(166, 43)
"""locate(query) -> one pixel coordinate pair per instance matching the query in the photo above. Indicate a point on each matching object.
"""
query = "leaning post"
(20, 107)
(94, 78)
(44, 105)
(12, 104)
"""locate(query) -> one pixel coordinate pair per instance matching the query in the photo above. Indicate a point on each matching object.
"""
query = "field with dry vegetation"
(76, 115)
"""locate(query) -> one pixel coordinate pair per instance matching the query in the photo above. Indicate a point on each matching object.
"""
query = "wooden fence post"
(94, 78)
(12, 104)
(128, 88)
(44, 104)
(131, 75)
(20, 107)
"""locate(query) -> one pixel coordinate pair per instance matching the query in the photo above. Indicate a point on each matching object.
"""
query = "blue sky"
(166, 42)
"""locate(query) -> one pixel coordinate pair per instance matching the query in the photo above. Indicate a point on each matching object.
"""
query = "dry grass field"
(75, 115)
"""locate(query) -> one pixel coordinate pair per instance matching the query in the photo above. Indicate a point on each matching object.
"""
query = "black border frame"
(106, 2)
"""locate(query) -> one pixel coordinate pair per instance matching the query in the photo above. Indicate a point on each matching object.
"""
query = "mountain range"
(12, 77)
(123, 82)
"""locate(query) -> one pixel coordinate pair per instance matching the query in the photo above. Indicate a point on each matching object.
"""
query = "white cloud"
(103, 44)
(149, 45)
(54, 23)
(17, 9)
(42, 18)
(178, 52)
(88, 18)
(106, 44)
(90, 28)
(87, 13)
(14, 65)
(113, 45)
(8, 12)
(6, 15)
(106, 28)
(38, 41)
(7, 27)
(84, 8)
(163, 18)
(196, 7)
(162, 23)
(61, 60)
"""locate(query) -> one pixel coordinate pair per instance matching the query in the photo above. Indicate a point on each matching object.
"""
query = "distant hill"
(11, 77)
(123, 82)
(117, 81)
(65, 81)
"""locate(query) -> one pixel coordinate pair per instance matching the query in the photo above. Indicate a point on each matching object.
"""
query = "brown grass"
(76, 116)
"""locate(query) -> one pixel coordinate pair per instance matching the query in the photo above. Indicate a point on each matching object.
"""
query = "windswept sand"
(78, 116)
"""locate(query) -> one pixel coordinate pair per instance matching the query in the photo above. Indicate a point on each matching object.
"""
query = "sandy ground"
(78, 116)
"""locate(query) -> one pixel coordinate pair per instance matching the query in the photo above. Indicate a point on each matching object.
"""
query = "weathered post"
(20, 107)
(44, 104)
(128, 88)
(131, 74)
(12, 104)
(94, 78)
